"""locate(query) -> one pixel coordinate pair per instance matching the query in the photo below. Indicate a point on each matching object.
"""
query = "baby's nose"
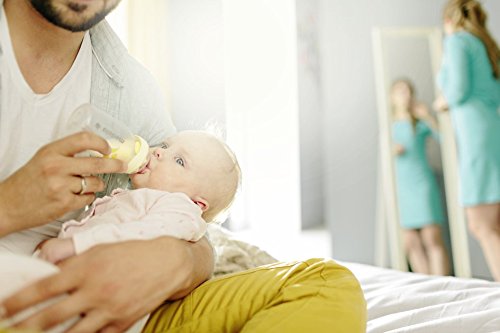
(157, 152)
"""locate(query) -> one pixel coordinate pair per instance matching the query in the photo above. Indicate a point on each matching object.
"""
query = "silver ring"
(84, 186)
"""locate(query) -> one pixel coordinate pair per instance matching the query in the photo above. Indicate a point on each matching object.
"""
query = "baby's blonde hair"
(220, 205)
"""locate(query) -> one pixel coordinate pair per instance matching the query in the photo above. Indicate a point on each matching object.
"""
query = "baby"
(189, 180)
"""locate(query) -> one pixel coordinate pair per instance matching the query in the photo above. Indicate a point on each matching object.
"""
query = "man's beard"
(56, 16)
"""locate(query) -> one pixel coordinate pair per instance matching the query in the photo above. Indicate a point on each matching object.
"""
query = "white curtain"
(147, 37)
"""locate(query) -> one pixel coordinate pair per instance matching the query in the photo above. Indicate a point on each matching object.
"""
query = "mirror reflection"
(413, 183)
(419, 197)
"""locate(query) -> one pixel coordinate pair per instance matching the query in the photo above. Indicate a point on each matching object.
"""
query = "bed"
(409, 302)
(396, 301)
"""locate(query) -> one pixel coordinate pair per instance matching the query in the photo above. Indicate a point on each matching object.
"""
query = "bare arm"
(422, 112)
(200, 263)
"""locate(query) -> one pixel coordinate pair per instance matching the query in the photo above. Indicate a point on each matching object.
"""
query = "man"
(49, 65)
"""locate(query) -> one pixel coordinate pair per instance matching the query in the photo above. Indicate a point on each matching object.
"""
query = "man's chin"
(75, 16)
(79, 26)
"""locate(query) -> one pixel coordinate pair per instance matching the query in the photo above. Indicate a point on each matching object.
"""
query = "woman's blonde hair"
(469, 15)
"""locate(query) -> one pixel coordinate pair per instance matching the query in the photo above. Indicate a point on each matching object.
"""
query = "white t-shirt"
(29, 121)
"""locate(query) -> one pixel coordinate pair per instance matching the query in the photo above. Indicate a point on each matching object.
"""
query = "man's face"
(74, 15)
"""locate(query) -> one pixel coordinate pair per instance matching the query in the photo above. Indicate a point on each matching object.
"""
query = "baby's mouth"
(143, 169)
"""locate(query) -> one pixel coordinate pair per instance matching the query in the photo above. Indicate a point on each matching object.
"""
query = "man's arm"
(105, 283)
(201, 266)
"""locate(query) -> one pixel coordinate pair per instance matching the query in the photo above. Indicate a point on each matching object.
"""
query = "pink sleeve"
(172, 215)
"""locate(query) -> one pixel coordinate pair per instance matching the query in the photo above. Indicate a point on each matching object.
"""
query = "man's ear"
(202, 203)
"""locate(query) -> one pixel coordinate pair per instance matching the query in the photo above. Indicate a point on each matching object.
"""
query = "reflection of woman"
(470, 82)
(419, 197)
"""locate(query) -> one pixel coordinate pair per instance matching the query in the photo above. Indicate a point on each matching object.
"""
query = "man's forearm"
(110, 278)
(197, 266)
(5, 225)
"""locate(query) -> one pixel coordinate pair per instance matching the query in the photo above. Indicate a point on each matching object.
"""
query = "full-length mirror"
(412, 180)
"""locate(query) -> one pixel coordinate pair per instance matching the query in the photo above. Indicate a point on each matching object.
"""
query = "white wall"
(195, 63)
(260, 67)
(310, 115)
(234, 62)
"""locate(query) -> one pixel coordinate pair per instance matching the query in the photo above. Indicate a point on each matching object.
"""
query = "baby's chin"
(135, 180)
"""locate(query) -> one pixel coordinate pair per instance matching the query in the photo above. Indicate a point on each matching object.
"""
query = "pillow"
(18, 271)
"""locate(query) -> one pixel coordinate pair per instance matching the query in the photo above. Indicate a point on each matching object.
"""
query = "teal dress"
(473, 95)
(419, 197)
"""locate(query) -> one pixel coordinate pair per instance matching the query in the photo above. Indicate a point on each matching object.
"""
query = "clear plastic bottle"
(124, 144)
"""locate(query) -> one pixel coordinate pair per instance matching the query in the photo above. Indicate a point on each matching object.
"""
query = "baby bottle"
(125, 146)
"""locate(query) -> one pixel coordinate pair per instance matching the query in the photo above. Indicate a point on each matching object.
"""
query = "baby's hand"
(56, 249)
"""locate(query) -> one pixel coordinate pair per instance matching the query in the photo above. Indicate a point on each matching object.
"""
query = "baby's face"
(190, 162)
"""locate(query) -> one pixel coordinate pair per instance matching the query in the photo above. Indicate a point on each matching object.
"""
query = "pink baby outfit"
(136, 214)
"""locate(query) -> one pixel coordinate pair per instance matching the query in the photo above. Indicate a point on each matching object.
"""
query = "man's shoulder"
(114, 59)
(138, 96)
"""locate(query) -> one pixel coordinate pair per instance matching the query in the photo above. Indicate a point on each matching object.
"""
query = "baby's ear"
(202, 203)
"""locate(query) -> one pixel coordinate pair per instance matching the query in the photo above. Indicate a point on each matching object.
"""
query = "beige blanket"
(234, 255)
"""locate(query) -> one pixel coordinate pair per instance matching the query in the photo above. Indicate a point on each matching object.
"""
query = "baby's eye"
(164, 145)
(179, 161)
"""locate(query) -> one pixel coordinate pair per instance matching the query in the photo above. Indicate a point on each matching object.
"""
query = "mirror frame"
(388, 230)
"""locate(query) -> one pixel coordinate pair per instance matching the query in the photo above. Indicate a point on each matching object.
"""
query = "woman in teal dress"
(419, 197)
(469, 80)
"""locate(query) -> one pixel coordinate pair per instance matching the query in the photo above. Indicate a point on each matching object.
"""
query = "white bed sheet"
(409, 302)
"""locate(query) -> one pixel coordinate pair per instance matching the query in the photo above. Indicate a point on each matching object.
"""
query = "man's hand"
(112, 286)
(48, 186)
